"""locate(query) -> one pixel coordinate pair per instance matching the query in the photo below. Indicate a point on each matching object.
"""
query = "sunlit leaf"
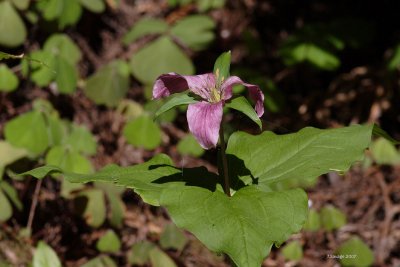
(241, 104)
(303, 155)
(96, 6)
(384, 152)
(175, 100)
(68, 160)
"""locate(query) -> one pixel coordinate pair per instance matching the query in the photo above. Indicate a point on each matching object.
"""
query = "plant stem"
(227, 187)
(34, 203)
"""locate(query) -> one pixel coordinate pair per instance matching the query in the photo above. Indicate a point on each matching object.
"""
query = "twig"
(34, 204)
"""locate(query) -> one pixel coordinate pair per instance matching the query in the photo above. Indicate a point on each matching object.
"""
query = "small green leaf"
(384, 152)
(117, 208)
(332, 218)
(313, 222)
(45, 256)
(139, 253)
(95, 210)
(63, 46)
(6, 210)
(175, 100)
(100, 261)
(8, 80)
(222, 66)
(145, 27)
(81, 140)
(358, 254)
(293, 251)
(109, 242)
(12, 27)
(28, 131)
(109, 84)
(43, 67)
(188, 145)
(9, 153)
(95, 6)
(68, 160)
(53, 9)
(244, 226)
(143, 132)
(173, 237)
(66, 77)
(159, 258)
(195, 31)
(71, 13)
(12, 194)
(241, 104)
(394, 62)
(158, 57)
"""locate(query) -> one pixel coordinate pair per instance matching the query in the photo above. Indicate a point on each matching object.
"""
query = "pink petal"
(255, 93)
(167, 84)
(171, 83)
(204, 121)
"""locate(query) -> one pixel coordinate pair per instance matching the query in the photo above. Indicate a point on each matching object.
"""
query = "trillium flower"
(204, 117)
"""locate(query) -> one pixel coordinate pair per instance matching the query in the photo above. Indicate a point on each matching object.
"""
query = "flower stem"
(224, 163)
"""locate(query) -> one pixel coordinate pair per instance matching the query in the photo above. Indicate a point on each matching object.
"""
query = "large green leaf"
(195, 31)
(145, 27)
(158, 57)
(147, 179)
(12, 28)
(303, 155)
(244, 226)
(28, 131)
(8, 80)
(109, 85)
(45, 256)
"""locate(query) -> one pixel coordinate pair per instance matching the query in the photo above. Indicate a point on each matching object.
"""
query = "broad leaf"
(241, 104)
(28, 131)
(139, 253)
(8, 80)
(384, 152)
(244, 226)
(175, 100)
(313, 221)
(222, 66)
(95, 209)
(159, 258)
(143, 132)
(303, 155)
(12, 28)
(108, 85)
(9, 154)
(68, 160)
(158, 57)
(66, 77)
(145, 27)
(12, 194)
(21, 4)
(195, 31)
(81, 140)
(71, 13)
(45, 256)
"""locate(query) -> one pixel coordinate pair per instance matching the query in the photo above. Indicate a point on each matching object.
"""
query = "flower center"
(215, 95)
